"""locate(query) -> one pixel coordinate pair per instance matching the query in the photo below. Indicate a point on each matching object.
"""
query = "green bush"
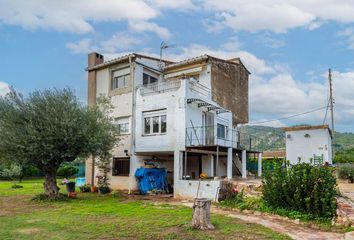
(301, 187)
(346, 172)
(67, 171)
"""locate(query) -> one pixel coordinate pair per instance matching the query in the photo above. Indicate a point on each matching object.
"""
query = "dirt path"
(278, 224)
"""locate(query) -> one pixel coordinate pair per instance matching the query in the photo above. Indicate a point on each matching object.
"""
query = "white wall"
(189, 189)
(318, 143)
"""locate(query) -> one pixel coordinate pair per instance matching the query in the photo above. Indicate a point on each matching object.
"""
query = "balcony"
(159, 87)
(211, 136)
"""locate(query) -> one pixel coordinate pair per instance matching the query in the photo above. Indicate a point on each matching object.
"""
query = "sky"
(287, 45)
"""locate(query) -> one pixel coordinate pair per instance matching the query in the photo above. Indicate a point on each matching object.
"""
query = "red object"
(72, 194)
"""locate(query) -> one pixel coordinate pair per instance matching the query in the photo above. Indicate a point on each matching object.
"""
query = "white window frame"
(121, 79)
(123, 121)
(151, 115)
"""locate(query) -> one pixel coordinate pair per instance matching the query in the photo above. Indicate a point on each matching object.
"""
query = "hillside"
(274, 139)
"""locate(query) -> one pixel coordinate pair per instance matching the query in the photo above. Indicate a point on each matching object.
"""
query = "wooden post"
(201, 214)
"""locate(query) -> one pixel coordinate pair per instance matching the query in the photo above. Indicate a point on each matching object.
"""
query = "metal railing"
(210, 136)
(159, 87)
(199, 88)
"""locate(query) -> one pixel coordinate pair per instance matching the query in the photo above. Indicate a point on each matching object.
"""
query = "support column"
(177, 167)
(217, 162)
(244, 162)
(212, 173)
(259, 164)
(229, 163)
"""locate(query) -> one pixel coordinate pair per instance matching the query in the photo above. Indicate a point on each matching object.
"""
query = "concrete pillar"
(259, 164)
(177, 167)
(229, 163)
(212, 173)
(244, 162)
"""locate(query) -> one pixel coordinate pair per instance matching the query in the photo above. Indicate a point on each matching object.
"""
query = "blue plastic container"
(80, 181)
(151, 179)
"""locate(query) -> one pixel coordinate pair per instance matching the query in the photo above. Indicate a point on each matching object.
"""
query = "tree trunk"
(50, 185)
(201, 214)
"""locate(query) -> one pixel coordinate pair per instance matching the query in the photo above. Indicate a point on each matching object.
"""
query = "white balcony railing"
(199, 88)
(160, 87)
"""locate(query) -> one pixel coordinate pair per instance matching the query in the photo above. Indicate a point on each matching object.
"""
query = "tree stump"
(201, 214)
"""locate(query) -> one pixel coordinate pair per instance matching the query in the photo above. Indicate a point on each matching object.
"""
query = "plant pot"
(104, 190)
(94, 189)
(70, 187)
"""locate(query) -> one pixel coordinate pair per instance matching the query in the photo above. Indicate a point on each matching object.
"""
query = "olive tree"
(51, 127)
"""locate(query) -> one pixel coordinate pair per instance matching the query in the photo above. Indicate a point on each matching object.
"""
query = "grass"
(93, 216)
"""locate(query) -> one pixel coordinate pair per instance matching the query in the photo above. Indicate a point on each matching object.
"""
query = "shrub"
(85, 188)
(301, 187)
(346, 172)
(67, 171)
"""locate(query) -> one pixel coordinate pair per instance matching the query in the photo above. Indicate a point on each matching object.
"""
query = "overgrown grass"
(94, 216)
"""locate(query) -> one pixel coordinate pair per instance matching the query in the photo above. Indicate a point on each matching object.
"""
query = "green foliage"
(45, 198)
(51, 127)
(344, 156)
(13, 172)
(85, 188)
(67, 171)
(346, 172)
(301, 187)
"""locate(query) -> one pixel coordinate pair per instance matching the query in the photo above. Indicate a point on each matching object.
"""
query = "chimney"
(235, 60)
(94, 59)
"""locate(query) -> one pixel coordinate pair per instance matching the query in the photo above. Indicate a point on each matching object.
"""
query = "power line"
(287, 117)
(325, 117)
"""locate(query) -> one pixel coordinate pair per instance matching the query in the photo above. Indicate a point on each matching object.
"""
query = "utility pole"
(331, 108)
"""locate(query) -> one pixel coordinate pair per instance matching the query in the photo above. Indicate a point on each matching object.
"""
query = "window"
(123, 125)
(121, 167)
(155, 122)
(222, 131)
(120, 78)
(148, 79)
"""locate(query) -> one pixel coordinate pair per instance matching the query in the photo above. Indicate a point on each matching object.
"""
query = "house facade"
(180, 116)
(309, 144)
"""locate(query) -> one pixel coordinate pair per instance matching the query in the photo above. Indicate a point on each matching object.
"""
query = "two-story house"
(178, 115)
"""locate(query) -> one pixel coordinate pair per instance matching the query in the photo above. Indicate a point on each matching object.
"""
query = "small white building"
(308, 143)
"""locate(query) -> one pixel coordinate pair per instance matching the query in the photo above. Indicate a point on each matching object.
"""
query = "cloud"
(272, 42)
(4, 88)
(278, 16)
(83, 46)
(72, 16)
(173, 4)
(348, 33)
(117, 42)
(143, 26)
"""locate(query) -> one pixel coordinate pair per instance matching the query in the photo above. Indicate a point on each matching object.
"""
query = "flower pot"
(94, 189)
(70, 187)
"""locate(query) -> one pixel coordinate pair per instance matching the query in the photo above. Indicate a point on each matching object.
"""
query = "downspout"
(132, 77)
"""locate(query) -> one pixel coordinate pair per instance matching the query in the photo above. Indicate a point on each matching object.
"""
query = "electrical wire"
(325, 117)
(287, 117)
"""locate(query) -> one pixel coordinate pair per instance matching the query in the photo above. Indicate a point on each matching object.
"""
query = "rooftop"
(168, 64)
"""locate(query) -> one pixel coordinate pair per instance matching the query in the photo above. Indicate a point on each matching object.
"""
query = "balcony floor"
(213, 148)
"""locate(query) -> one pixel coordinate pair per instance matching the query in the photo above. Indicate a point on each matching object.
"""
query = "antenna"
(331, 102)
(163, 46)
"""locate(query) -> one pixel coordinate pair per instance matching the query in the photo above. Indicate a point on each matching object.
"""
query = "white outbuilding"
(309, 144)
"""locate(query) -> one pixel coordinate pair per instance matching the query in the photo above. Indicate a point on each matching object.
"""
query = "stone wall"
(229, 84)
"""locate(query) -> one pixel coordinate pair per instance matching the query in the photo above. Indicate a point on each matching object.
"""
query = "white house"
(309, 143)
(180, 116)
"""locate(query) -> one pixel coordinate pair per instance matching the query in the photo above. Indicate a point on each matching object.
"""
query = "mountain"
(274, 138)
